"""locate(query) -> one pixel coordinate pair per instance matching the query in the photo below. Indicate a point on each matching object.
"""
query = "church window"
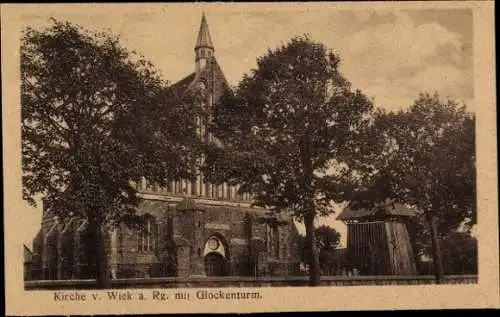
(276, 242)
(282, 246)
(218, 191)
(147, 236)
(273, 240)
(208, 192)
(214, 191)
(193, 188)
(182, 187)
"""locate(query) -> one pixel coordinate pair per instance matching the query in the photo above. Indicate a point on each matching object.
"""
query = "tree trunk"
(310, 210)
(436, 250)
(314, 273)
(102, 275)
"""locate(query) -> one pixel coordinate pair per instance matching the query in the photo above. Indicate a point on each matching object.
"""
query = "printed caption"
(155, 295)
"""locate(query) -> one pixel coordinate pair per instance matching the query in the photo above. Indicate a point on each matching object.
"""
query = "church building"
(194, 228)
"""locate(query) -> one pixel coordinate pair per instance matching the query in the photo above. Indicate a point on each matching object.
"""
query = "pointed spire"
(204, 39)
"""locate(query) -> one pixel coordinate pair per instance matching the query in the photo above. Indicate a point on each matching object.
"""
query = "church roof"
(27, 254)
(180, 87)
(204, 39)
(391, 210)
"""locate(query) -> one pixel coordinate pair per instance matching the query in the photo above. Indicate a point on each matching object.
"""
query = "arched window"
(147, 236)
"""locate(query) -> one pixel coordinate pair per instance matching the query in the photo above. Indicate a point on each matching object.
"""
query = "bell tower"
(204, 49)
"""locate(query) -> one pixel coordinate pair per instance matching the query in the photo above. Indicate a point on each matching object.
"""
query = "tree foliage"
(428, 161)
(294, 134)
(94, 118)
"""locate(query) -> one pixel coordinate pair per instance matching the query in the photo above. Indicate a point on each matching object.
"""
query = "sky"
(390, 55)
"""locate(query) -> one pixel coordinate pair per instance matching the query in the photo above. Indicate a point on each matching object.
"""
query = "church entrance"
(216, 263)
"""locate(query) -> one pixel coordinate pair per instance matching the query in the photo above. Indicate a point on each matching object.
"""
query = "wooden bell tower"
(378, 242)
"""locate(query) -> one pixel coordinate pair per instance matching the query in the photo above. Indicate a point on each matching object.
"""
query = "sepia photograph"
(196, 152)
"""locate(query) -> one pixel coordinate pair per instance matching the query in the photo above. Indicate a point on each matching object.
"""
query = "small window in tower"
(209, 53)
(199, 252)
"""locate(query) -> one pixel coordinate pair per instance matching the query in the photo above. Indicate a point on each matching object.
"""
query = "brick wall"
(181, 234)
(235, 227)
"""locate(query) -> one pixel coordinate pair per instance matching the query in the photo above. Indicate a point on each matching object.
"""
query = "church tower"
(204, 48)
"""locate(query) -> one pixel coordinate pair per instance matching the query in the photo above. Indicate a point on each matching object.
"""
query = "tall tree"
(94, 118)
(290, 134)
(428, 162)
